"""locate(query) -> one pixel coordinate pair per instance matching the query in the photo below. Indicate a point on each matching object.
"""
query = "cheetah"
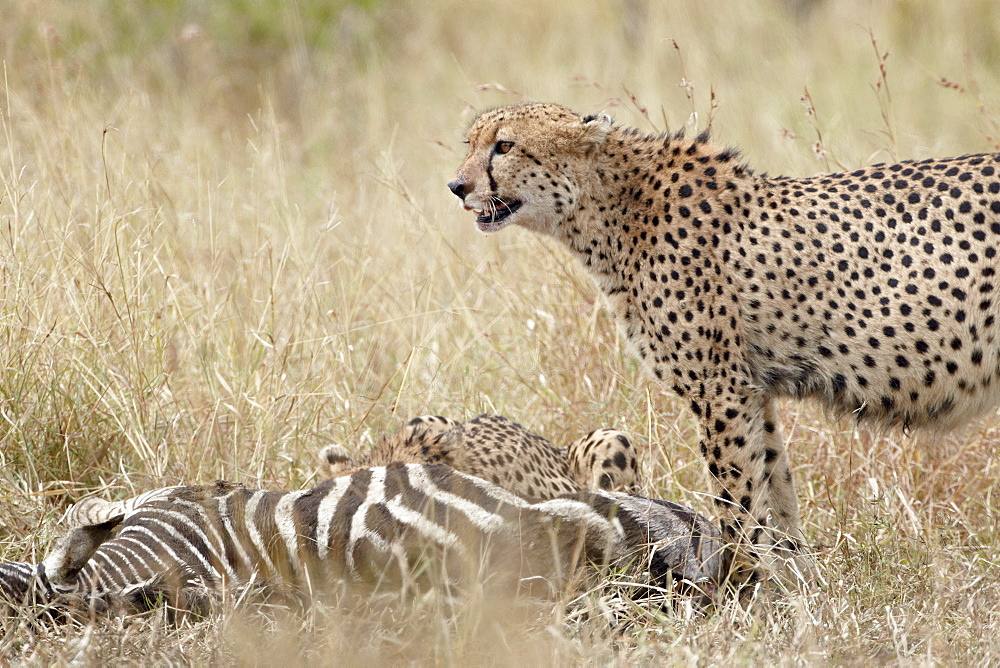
(502, 452)
(870, 291)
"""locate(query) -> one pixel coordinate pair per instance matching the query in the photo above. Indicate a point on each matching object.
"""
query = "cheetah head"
(525, 165)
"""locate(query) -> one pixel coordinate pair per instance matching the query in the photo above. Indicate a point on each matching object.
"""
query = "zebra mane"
(93, 511)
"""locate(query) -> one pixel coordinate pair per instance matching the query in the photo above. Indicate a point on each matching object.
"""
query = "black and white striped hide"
(400, 526)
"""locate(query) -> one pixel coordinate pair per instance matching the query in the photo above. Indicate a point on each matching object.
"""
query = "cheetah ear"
(595, 129)
(333, 455)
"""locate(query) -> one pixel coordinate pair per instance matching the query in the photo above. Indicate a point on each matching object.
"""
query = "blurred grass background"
(226, 241)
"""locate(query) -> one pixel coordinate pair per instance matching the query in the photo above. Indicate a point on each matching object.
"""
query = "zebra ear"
(595, 130)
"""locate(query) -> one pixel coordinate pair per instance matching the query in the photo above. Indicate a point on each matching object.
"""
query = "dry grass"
(208, 223)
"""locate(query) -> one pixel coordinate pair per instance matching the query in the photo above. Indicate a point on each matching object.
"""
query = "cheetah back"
(497, 449)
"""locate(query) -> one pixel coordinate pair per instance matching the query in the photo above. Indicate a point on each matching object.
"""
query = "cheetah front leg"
(754, 492)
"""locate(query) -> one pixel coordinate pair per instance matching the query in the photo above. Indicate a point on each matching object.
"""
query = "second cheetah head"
(526, 163)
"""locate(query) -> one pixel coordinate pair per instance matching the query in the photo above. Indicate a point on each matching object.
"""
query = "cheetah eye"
(503, 147)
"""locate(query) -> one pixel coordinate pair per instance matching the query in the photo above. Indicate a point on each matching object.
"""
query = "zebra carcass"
(400, 526)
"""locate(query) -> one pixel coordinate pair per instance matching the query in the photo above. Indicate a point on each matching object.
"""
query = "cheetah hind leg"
(753, 487)
(797, 561)
(780, 555)
(604, 459)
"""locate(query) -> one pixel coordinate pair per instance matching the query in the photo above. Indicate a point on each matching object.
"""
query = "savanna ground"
(226, 241)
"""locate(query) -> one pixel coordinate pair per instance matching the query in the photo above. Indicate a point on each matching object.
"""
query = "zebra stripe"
(424, 526)
(359, 528)
(120, 558)
(152, 542)
(284, 518)
(496, 492)
(23, 583)
(256, 536)
(159, 517)
(578, 512)
(479, 516)
(215, 542)
(199, 530)
(126, 537)
(226, 519)
(17, 571)
(333, 494)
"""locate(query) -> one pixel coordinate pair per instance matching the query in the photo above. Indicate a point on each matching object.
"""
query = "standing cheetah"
(503, 452)
(871, 291)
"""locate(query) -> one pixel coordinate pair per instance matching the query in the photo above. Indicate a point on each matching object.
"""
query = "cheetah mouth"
(500, 211)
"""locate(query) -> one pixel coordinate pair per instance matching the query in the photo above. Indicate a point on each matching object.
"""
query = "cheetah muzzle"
(872, 292)
(494, 212)
(495, 218)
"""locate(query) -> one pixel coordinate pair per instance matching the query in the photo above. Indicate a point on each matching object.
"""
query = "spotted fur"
(872, 291)
(503, 452)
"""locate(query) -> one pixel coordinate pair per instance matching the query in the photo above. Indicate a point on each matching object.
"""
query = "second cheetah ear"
(595, 129)
(333, 455)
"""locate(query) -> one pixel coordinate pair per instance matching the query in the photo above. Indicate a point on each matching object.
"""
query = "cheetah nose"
(458, 187)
